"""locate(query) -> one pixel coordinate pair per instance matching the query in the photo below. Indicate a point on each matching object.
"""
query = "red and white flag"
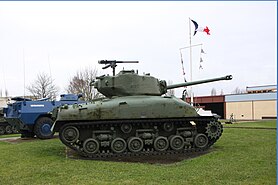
(201, 29)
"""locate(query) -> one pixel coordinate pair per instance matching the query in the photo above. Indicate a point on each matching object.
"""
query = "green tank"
(5, 127)
(135, 117)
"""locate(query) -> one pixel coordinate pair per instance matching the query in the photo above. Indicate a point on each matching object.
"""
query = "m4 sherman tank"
(5, 127)
(135, 118)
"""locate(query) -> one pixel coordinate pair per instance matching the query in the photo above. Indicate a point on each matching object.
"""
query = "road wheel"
(135, 144)
(201, 141)
(8, 129)
(118, 145)
(42, 128)
(2, 130)
(91, 146)
(69, 134)
(161, 144)
(176, 142)
(14, 129)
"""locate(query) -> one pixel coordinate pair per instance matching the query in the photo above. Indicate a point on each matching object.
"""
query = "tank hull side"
(129, 107)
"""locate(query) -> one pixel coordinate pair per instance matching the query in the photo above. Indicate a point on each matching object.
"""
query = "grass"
(241, 156)
(264, 124)
(9, 135)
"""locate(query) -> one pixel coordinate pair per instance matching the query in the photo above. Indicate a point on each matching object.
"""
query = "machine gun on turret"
(113, 64)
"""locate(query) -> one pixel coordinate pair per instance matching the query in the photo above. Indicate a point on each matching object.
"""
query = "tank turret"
(129, 83)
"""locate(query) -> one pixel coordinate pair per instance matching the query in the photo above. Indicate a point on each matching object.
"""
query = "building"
(259, 102)
(214, 103)
(252, 106)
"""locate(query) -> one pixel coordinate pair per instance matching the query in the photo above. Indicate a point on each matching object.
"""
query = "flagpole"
(191, 46)
(190, 60)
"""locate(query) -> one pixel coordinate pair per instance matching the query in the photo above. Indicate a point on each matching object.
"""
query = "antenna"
(4, 79)
(49, 66)
(23, 74)
(113, 64)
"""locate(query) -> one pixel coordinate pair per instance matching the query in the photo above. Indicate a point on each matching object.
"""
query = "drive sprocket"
(214, 129)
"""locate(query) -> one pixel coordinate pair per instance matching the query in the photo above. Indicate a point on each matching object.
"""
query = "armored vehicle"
(32, 117)
(135, 118)
(5, 127)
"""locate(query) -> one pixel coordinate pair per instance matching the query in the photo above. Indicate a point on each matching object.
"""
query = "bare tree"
(222, 92)
(238, 91)
(213, 92)
(170, 92)
(80, 83)
(43, 87)
(6, 93)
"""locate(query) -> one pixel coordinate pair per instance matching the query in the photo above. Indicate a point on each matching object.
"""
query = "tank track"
(120, 138)
(6, 129)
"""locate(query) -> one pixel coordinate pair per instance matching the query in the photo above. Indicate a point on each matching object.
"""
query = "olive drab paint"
(135, 116)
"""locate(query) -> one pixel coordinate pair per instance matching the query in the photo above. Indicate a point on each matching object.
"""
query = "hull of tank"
(129, 107)
(135, 125)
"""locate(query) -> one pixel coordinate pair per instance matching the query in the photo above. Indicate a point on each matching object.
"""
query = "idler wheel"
(214, 129)
(135, 144)
(9, 129)
(91, 146)
(70, 134)
(161, 144)
(126, 128)
(201, 141)
(168, 127)
(176, 142)
(118, 145)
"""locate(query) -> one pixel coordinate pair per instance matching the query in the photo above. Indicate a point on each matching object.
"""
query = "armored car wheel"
(201, 141)
(8, 129)
(69, 134)
(42, 128)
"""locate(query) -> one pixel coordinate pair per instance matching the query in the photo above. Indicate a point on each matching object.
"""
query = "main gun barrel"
(228, 77)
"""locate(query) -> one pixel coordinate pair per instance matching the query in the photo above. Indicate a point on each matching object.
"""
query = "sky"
(61, 38)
